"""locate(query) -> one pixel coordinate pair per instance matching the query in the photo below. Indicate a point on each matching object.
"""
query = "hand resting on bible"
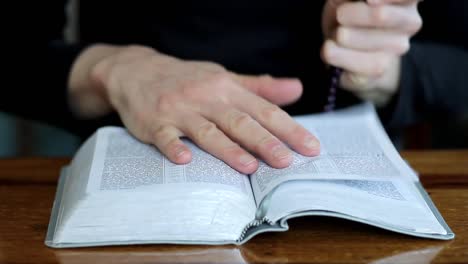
(162, 98)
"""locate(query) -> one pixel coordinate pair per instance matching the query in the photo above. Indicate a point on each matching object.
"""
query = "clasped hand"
(367, 39)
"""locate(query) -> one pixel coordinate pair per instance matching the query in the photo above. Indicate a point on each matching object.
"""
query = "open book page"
(121, 162)
(359, 174)
(354, 146)
(134, 193)
(394, 204)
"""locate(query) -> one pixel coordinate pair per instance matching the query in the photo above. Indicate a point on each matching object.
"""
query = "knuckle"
(270, 112)
(325, 53)
(379, 16)
(166, 102)
(266, 78)
(230, 150)
(205, 131)
(415, 25)
(203, 92)
(341, 13)
(191, 90)
(342, 35)
(264, 141)
(239, 120)
(403, 46)
(137, 123)
(207, 66)
(213, 67)
(139, 120)
(132, 50)
(297, 129)
(212, 87)
(218, 80)
(162, 132)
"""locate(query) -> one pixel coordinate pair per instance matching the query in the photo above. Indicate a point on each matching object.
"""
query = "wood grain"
(27, 189)
(31, 170)
(440, 168)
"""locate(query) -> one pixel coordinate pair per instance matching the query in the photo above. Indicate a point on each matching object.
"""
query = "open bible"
(118, 190)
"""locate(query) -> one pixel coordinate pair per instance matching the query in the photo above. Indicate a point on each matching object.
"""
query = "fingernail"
(281, 152)
(246, 160)
(180, 151)
(311, 143)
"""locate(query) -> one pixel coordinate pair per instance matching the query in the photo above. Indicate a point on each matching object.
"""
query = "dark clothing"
(281, 38)
(434, 78)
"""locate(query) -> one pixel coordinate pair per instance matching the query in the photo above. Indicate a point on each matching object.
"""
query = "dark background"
(20, 137)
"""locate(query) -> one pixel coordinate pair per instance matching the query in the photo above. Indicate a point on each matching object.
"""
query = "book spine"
(254, 223)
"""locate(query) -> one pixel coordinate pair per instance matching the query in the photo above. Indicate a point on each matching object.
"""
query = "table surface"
(27, 189)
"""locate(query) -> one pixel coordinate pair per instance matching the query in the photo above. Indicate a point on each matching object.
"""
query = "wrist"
(103, 71)
(89, 78)
(86, 97)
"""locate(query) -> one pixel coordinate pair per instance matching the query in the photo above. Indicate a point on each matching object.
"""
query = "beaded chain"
(331, 99)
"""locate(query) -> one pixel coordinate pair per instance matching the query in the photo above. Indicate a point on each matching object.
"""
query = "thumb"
(355, 82)
(279, 91)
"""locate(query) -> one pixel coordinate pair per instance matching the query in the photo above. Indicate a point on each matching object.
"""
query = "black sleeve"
(37, 63)
(434, 74)
(434, 81)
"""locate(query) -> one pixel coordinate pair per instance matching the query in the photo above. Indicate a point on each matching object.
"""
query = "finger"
(370, 64)
(378, 97)
(329, 14)
(365, 39)
(208, 137)
(167, 139)
(280, 91)
(279, 123)
(243, 129)
(398, 2)
(402, 19)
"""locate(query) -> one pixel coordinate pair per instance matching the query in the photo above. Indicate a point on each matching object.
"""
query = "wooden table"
(27, 188)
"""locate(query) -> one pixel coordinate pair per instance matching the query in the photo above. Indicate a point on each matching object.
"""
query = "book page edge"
(434, 210)
(54, 215)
